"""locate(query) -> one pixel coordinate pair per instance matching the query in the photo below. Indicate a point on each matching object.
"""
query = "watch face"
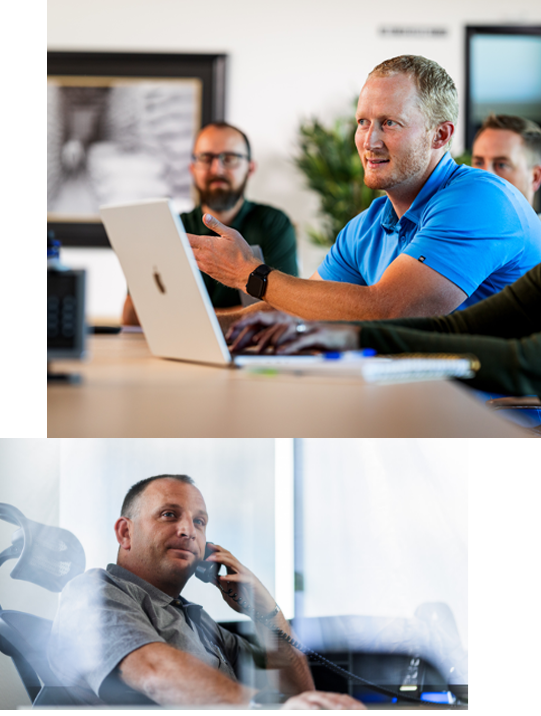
(256, 286)
(257, 281)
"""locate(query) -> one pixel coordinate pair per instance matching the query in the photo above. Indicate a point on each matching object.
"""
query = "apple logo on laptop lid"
(158, 280)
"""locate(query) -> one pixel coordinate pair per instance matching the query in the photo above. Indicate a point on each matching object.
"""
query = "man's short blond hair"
(438, 98)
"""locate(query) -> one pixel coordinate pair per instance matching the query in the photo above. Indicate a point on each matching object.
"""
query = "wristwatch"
(257, 281)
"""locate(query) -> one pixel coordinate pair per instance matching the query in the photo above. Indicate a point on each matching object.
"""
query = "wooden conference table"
(127, 392)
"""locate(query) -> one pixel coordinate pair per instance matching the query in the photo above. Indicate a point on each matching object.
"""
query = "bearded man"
(221, 166)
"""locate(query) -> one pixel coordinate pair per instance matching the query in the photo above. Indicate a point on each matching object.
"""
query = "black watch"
(257, 281)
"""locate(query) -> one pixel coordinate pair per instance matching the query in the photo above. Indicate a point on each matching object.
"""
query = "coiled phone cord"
(329, 664)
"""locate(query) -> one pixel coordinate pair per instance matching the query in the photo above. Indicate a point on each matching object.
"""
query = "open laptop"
(166, 286)
(178, 319)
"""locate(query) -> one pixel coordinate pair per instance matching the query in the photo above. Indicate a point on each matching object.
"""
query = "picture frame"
(508, 83)
(120, 128)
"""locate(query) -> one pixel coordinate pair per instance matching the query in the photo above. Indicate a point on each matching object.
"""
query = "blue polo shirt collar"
(440, 175)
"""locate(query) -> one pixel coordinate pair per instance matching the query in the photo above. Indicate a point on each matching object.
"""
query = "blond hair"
(438, 98)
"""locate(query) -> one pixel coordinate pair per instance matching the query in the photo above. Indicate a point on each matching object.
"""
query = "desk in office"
(127, 392)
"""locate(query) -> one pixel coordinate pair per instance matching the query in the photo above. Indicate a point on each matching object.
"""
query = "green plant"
(464, 158)
(332, 168)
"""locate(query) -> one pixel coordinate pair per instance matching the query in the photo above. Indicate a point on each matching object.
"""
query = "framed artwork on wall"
(120, 128)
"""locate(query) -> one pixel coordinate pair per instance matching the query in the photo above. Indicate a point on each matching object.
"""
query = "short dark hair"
(129, 506)
(525, 128)
(226, 125)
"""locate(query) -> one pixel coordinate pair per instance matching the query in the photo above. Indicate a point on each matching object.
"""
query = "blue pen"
(337, 355)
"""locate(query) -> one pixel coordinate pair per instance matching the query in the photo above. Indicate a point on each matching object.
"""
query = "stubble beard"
(406, 168)
(174, 572)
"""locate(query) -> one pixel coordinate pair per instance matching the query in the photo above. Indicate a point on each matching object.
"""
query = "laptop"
(167, 288)
(179, 321)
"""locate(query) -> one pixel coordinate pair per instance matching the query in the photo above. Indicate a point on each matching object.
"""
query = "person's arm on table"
(511, 366)
(169, 676)
(407, 288)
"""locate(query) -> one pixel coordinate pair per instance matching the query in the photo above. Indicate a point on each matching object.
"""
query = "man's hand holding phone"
(242, 583)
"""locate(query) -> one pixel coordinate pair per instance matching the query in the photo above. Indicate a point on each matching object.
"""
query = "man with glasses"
(221, 166)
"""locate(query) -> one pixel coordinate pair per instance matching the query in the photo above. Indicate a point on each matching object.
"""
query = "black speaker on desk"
(66, 329)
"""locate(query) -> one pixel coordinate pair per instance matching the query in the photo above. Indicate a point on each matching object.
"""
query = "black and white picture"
(112, 140)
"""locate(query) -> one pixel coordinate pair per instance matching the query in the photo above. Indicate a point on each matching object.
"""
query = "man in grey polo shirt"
(125, 632)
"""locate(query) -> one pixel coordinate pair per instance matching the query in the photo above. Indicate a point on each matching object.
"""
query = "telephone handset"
(208, 571)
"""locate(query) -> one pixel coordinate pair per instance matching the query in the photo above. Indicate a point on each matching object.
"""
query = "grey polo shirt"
(104, 615)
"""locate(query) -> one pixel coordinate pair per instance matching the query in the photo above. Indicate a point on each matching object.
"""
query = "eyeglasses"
(229, 160)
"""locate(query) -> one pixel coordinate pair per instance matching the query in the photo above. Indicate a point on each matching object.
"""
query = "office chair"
(48, 557)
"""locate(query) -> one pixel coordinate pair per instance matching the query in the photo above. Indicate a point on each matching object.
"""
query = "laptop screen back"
(164, 281)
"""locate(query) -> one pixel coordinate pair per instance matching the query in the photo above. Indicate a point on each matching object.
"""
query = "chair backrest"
(48, 557)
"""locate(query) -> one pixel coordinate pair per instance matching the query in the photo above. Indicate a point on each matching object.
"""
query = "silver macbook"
(167, 288)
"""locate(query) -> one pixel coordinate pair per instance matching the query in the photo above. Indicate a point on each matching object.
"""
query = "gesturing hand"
(242, 582)
(227, 257)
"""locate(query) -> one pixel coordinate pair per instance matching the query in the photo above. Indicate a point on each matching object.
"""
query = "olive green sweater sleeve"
(503, 331)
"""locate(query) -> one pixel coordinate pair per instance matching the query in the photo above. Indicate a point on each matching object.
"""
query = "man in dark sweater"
(221, 166)
(503, 331)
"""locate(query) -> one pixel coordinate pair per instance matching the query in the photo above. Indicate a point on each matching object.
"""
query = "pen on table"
(350, 355)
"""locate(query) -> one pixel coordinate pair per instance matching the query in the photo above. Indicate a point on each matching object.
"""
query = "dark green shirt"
(503, 331)
(260, 225)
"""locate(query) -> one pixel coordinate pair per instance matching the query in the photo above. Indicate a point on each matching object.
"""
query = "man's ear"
(443, 134)
(123, 532)
(252, 166)
(536, 177)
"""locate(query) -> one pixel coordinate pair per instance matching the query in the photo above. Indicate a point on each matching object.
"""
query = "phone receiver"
(207, 571)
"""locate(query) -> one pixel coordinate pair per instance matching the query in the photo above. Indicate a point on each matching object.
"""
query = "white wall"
(395, 536)
(287, 60)
(236, 477)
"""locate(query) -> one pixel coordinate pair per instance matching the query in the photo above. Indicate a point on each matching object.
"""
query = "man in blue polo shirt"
(444, 237)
